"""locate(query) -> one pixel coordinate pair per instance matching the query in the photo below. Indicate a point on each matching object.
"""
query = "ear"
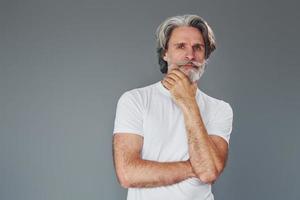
(165, 56)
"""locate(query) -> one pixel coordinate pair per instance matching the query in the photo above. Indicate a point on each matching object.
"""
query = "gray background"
(64, 64)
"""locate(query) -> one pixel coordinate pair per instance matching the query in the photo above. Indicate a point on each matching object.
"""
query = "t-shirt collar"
(165, 91)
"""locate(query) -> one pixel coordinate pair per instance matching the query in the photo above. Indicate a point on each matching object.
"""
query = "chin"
(192, 73)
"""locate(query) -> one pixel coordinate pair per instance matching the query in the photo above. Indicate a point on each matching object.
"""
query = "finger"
(170, 80)
(176, 74)
(173, 77)
(179, 73)
(166, 84)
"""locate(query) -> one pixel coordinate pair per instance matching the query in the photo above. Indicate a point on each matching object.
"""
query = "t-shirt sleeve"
(129, 115)
(221, 123)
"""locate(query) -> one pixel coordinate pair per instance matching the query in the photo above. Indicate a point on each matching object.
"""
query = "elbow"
(124, 182)
(123, 178)
(126, 174)
(220, 167)
(208, 177)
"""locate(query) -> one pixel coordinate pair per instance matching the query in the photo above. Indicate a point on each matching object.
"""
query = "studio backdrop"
(64, 64)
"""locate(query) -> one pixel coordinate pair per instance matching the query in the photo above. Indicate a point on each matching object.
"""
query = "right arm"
(132, 171)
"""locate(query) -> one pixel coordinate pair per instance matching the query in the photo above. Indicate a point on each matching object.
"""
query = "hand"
(180, 87)
(190, 169)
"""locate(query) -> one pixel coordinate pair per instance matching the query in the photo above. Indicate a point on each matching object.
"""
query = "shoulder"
(138, 95)
(214, 103)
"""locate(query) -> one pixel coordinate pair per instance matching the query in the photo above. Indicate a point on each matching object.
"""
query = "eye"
(198, 47)
(180, 46)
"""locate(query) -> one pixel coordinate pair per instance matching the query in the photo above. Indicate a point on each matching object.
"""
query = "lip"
(189, 66)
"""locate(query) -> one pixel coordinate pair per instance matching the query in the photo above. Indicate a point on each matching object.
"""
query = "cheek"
(176, 56)
(200, 56)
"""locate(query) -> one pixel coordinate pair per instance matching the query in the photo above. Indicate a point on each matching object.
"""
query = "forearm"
(203, 153)
(145, 173)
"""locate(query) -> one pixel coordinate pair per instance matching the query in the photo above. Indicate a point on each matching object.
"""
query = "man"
(170, 138)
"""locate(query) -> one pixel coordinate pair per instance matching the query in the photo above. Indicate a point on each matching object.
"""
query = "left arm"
(208, 153)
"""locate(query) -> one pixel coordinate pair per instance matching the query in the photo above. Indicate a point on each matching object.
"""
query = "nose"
(190, 54)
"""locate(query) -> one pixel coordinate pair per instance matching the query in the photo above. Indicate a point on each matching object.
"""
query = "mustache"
(189, 62)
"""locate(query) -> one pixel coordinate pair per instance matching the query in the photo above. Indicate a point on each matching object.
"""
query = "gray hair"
(165, 29)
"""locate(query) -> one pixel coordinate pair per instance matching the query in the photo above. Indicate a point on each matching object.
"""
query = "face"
(186, 51)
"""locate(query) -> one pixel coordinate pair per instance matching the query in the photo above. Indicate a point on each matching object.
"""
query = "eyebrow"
(183, 43)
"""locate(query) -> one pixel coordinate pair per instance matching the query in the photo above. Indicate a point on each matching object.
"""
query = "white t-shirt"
(150, 112)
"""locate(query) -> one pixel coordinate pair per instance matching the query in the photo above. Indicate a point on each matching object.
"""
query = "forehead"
(186, 34)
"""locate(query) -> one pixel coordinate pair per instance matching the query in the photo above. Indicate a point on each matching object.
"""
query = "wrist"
(189, 169)
(189, 106)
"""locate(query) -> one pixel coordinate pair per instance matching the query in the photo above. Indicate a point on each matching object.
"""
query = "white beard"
(193, 73)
